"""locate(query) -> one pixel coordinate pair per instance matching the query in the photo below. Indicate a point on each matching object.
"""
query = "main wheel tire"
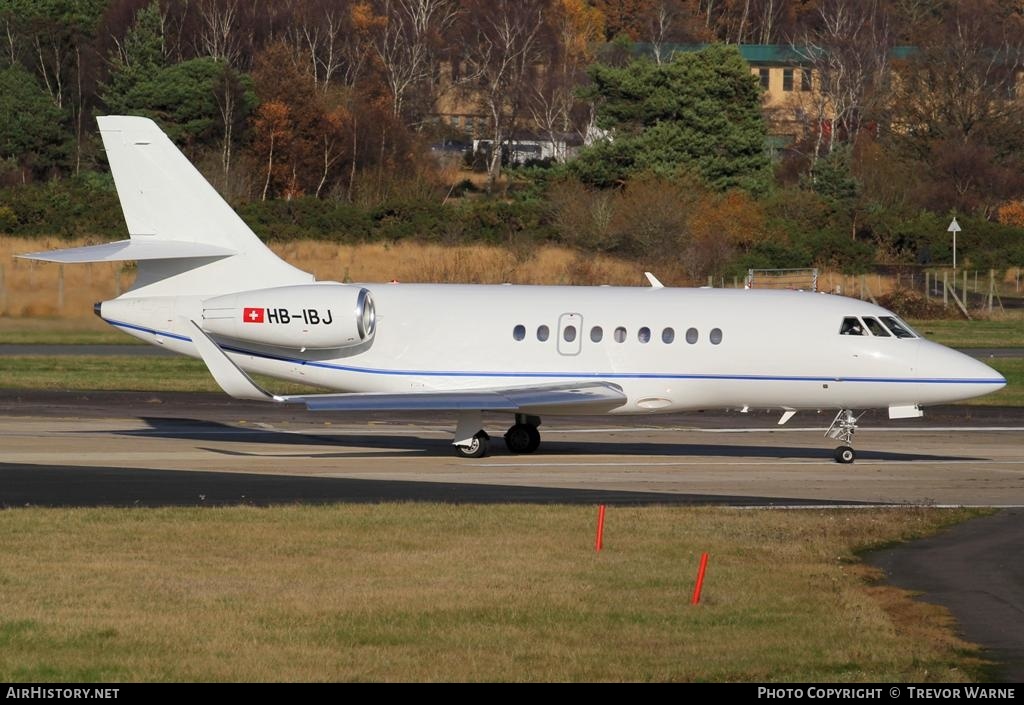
(477, 447)
(522, 438)
(845, 455)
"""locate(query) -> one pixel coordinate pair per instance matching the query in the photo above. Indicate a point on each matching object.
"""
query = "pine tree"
(699, 113)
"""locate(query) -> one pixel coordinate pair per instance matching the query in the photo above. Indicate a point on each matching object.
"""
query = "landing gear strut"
(523, 436)
(844, 425)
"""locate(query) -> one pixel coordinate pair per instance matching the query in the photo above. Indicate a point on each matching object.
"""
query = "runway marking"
(343, 430)
(750, 462)
(894, 505)
(772, 429)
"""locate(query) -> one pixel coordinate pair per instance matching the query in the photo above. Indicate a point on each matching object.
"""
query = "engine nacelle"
(306, 316)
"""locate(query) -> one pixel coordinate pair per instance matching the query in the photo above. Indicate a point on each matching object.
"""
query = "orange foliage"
(1012, 213)
(581, 27)
(719, 225)
(734, 217)
(363, 18)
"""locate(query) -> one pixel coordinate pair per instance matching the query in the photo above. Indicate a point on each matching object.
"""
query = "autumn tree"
(286, 122)
(956, 108)
(333, 39)
(553, 104)
(273, 133)
(847, 51)
(503, 45)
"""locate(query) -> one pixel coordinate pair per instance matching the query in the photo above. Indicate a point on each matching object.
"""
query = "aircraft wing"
(545, 398)
(589, 395)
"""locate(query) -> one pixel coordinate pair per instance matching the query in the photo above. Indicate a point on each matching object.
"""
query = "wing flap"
(537, 399)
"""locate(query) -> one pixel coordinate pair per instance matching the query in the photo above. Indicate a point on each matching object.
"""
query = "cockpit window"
(851, 326)
(876, 328)
(898, 327)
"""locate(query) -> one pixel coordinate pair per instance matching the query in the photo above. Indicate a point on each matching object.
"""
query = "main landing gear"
(471, 441)
(844, 425)
(523, 436)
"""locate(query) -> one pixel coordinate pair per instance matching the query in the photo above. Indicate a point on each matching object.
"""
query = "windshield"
(898, 327)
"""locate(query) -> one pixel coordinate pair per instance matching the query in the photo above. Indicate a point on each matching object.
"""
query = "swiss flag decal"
(252, 315)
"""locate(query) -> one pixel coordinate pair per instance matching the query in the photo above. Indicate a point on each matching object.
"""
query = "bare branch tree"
(405, 43)
(217, 35)
(502, 46)
(849, 57)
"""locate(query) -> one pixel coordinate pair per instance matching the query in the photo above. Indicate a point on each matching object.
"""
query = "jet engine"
(319, 316)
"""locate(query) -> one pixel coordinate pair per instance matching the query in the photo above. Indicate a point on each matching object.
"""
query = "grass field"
(1004, 332)
(444, 592)
(119, 373)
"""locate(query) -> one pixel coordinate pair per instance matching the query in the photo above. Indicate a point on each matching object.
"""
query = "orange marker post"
(700, 579)
(599, 541)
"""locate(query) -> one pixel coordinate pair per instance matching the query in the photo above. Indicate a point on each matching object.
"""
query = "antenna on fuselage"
(655, 284)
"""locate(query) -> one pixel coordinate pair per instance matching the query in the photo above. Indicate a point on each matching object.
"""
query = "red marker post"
(599, 541)
(700, 579)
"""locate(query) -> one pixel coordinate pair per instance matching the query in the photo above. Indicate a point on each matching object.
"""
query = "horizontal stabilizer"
(131, 250)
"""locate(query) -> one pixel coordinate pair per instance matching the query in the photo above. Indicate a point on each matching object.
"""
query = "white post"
(954, 227)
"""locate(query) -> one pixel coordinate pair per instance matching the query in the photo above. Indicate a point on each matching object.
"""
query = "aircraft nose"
(957, 375)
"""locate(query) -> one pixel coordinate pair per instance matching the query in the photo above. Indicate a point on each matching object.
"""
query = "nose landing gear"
(844, 425)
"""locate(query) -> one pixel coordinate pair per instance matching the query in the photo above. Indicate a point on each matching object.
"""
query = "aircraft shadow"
(24, 485)
(394, 445)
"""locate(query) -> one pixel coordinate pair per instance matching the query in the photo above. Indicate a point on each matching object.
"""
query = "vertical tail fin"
(165, 199)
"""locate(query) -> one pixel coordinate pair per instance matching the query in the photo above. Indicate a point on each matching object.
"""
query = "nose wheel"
(844, 425)
(476, 447)
(845, 455)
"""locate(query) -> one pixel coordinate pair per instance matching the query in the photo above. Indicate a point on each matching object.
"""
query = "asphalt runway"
(975, 570)
(121, 448)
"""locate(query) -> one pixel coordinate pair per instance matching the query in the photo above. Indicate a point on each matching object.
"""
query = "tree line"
(326, 110)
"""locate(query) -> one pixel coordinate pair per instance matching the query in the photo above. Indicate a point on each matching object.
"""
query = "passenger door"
(570, 333)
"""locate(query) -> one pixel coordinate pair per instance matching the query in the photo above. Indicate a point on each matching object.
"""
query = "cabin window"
(805, 80)
(715, 336)
(875, 327)
(851, 326)
(620, 335)
(898, 327)
(596, 334)
(691, 336)
(644, 335)
(542, 333)
(519, 332)
(667, 336)
(763, 75)
(569, 333)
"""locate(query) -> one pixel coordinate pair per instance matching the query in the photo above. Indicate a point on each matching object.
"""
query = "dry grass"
(33, 289)
(442, 592)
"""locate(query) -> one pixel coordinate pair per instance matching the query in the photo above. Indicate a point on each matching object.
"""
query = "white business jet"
(207, 287)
